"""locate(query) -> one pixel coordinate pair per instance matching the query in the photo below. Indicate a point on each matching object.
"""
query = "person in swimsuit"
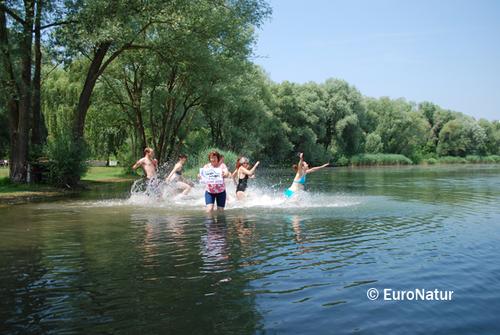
(241, 175)
(177, 179)
(301, 170)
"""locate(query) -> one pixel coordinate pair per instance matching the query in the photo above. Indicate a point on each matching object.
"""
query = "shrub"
(342, 161)
(66, 160)
(430, 161)
(452, 160)
(483, 159)
(380, 159)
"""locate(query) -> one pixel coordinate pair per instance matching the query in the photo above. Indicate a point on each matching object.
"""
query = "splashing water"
(161, 194)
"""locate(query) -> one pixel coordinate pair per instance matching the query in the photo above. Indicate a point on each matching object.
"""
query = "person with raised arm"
(241, 175)
(301, 171)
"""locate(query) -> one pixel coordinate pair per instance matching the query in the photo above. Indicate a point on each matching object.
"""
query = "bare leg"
(185, 187)
(209, 208)
(240, 195)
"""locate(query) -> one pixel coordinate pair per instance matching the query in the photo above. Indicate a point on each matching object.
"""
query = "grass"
(107, 174)
(14, 193)
(4, 172)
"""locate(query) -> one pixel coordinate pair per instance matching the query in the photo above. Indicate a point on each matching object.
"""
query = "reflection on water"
(264, 266)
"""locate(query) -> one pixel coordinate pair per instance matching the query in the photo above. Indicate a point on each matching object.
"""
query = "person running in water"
(241, 175)
(177, 179)
(301, 170)
(213, 175)
(148, 163)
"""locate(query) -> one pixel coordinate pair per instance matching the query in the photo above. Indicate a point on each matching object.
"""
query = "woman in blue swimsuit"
(301, 169)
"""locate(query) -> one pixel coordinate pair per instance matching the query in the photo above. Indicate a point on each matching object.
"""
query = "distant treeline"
(88, 79)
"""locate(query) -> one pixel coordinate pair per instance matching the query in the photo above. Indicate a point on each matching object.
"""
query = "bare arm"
(174, 170)
(137, 164)
(301, 160)
(317, 168)
(251, 171)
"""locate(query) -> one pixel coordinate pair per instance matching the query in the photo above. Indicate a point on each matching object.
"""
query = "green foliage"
(482, 159)
(402, 130)
(380, 159)
(451, 160)
(342, 161)
(66, 160)
(430, 161)
(461, 137)
(373, 143)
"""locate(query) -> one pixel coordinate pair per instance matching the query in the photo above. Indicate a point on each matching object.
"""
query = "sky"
(446, 52)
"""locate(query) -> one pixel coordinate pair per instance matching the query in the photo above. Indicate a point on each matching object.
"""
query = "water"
(114, 264)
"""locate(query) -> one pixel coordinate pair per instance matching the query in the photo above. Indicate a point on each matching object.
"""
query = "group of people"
(214, 173)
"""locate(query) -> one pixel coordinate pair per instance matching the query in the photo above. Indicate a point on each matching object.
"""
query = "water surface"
(113, 263)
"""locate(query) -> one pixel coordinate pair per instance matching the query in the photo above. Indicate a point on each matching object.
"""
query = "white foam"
(161, 196)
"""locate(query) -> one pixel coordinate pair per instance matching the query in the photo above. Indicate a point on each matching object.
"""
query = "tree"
(461, 137)
(345, 116)
(401, 129)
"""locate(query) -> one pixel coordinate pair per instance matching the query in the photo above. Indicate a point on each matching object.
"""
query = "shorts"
(219, 198)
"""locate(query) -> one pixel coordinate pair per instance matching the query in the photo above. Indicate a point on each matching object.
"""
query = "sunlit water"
(116, 263)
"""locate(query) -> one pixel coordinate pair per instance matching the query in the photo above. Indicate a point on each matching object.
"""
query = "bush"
(66, 160)
(342, 161)
(483, 159)
(430, 161)
(380, 159)
(452, 160)
(127, 157)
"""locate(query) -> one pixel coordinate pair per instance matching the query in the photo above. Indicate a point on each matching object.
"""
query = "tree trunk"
(19, 104)
(88, 87)
(39, 132)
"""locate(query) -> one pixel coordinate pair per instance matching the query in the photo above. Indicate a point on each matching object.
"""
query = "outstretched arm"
(251, 171)
(317, 168)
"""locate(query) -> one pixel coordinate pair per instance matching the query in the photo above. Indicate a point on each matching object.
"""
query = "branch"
(12, 14)
(55, 24)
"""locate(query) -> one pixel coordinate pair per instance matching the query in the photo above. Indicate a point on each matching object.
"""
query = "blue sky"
(446, 51)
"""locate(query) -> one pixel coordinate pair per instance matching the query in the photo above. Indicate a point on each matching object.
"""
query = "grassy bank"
(18, 193)
(107, 174)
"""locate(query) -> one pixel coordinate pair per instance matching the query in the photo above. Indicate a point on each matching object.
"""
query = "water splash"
(161, 194)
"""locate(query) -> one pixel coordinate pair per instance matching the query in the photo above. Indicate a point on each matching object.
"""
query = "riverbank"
(95, 178)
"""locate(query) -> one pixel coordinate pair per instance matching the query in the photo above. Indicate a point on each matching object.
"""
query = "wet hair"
(216, 154)
(181, 156)
(147, 150)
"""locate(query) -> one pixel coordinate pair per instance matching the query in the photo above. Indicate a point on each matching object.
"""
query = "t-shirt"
(213, 178)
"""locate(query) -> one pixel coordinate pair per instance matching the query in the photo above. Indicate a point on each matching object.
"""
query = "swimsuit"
(288, 192)
(302, 180)
(242, 184)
